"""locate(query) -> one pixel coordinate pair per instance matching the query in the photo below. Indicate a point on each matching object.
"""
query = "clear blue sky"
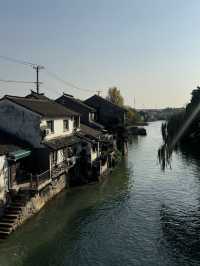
(150, 49)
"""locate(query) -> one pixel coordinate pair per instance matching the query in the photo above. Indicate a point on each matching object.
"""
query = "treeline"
(181, 128)
(114, 96)
(186, 123)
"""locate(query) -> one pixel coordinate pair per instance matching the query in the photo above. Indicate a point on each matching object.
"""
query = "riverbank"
(139, 215)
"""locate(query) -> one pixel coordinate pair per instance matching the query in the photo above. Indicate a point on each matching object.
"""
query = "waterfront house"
(14, 160)
(49, 129)
(88, 113)
(112, 117)
(107, 113)
(97, 141)
(98, 152)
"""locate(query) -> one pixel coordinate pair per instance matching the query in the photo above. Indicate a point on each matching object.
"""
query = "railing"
(39, 179)
(62, 167)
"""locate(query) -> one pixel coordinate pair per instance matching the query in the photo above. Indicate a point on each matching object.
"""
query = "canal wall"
(38, 201)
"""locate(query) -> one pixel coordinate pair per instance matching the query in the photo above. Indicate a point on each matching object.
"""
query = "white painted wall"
(60, 156)
(3, 178)
(104, 168)
(93, 155)
(58, 128)
(20, 122)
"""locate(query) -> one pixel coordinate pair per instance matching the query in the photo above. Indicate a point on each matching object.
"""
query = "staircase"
(12, 214)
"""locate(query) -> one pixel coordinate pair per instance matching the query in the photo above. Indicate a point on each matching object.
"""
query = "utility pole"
(99, 92)
(37, 68)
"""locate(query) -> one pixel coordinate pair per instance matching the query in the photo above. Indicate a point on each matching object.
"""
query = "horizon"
(138, 46)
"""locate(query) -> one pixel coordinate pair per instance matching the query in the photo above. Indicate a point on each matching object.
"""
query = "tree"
(114, 96)
(132, 115)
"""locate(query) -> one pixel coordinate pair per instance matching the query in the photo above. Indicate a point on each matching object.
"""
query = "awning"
(19, 154)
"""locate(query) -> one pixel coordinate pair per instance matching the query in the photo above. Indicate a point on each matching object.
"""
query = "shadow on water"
(181, 227)
(182, 231)
(54, 235)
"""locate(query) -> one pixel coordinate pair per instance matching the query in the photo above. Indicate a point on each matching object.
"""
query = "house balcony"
(63, 167)
(31, 182)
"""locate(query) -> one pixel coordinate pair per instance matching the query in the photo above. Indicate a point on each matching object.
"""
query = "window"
(54, 157)
(65, 125)
(91, 116)
(76, 122)
(50, 125)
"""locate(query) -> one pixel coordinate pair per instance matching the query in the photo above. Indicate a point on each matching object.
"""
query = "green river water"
(138, 216)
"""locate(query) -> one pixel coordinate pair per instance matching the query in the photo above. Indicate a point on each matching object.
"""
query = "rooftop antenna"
(37, 68)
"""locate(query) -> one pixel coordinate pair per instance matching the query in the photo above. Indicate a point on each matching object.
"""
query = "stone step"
(20, 204)
(6, 224)
(5, 232)
(11, 207)
(10, 215)
(6, 218)
(20, 200)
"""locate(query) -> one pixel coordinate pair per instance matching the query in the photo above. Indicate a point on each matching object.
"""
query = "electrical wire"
(17, 61)
(55, 76)
(17, 81)
(69, 84)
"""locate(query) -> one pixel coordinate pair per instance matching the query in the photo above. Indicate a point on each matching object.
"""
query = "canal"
(139, 216)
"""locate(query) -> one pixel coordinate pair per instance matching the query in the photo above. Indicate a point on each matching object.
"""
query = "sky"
(150, 49)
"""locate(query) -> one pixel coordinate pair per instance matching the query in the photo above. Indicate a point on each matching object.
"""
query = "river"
(138, 216)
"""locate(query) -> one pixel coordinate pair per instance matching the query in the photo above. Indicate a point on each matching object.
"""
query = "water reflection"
(59, 229)
(182, 231)
(139, 216)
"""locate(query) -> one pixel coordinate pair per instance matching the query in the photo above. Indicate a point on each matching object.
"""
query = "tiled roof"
(88, 131)
(59, 143)
(96, 100)
(74, 104)
(44, 107)
(94, 125)
(10, 143)
(38, 96)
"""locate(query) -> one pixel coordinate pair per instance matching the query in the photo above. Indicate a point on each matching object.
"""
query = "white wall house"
(35, 120)
(55, 128)
(42, 123)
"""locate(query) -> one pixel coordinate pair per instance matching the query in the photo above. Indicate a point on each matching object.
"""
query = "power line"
(17, 81)
(69, 84)
(26, 63)
(37, 68)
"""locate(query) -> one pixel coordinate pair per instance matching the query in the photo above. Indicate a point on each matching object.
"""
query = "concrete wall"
(3, 179)
(58, 128)
(21, 122)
